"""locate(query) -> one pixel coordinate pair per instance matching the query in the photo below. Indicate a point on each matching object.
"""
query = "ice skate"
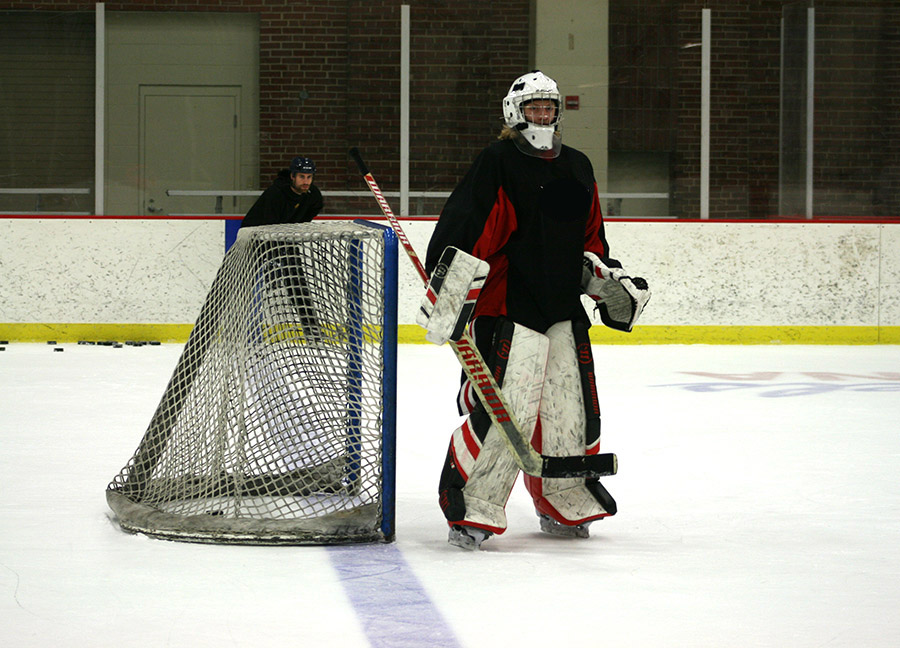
(469, 538)
(551, 526)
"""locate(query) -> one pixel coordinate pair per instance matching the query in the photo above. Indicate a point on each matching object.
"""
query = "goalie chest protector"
(531, 219)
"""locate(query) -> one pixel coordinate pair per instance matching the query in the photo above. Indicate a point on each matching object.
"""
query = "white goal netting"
(277, 426)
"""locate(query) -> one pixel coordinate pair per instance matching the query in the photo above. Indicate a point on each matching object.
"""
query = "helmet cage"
(514, 109)
(527, 88)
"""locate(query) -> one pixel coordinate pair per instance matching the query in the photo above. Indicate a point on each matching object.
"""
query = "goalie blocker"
(451, 295)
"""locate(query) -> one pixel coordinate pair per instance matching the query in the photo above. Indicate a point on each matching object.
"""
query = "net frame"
(278, 425)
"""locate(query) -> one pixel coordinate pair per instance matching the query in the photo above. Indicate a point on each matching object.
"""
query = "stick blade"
(587, 466)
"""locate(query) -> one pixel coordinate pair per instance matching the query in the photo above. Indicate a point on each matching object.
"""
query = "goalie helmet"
(528, 88)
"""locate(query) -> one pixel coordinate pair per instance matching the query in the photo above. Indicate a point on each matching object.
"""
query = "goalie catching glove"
(620, 299)
(451, 295)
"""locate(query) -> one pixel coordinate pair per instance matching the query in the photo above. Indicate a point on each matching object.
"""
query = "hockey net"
(277, 426)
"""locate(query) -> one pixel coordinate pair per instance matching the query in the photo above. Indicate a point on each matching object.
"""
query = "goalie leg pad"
(482, 330)
(483, 469)
(566, 427)
(451, 294)
(588, 387)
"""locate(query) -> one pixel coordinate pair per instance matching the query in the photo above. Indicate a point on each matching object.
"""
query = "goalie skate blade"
(551, 526)
(467, 538)
(591, 466)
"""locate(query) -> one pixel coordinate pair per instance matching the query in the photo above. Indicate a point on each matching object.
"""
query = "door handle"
(151, 208)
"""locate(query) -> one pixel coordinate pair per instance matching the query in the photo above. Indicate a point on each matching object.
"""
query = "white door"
(188, 142)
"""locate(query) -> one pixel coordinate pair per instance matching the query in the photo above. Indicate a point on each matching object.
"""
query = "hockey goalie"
(518, 242)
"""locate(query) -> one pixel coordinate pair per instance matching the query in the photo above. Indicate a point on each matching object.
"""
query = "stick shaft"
(388, 212)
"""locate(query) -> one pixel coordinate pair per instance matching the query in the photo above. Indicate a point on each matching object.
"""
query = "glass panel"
(643, 111)
(759, 91)
(857, 93)
(46, 111)
(794, 91)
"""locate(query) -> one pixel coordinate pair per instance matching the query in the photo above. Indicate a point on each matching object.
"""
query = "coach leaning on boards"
(291, 198)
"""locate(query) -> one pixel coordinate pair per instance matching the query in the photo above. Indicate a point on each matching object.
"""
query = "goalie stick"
(529, 460)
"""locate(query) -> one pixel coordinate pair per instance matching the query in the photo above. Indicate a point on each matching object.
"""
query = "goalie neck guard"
(534, 86)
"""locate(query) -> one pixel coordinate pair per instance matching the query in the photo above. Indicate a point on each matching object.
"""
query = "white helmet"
(525, 89)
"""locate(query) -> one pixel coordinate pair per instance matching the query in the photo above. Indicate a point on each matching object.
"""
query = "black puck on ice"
(59, 349)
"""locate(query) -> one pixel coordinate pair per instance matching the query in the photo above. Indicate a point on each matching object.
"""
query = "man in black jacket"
(291, 198)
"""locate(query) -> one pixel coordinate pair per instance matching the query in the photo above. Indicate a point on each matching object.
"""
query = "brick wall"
(463, 57)
(330, 79)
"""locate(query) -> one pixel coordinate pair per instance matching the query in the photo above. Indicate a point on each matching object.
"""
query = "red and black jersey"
(531, 219)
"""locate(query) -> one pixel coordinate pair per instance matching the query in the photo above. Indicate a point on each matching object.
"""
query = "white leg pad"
(492, 474)
(563, 426)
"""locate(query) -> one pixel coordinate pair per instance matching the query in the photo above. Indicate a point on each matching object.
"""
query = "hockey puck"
(59, 349)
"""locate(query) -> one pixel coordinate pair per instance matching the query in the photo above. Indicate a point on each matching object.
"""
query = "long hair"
(507, 133)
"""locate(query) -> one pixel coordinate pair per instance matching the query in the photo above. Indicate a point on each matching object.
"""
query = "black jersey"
(281, 204)
(531, 219)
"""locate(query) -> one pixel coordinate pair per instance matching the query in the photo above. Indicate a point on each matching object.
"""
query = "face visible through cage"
(542, 111)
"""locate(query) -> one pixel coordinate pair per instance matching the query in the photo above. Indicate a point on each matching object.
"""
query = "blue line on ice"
(394, 609)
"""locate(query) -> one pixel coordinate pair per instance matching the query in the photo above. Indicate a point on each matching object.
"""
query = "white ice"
(758, 495)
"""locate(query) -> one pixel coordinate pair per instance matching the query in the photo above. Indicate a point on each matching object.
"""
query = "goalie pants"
(548, 382)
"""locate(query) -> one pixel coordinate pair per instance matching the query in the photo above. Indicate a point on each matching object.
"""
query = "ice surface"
(758, 506)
